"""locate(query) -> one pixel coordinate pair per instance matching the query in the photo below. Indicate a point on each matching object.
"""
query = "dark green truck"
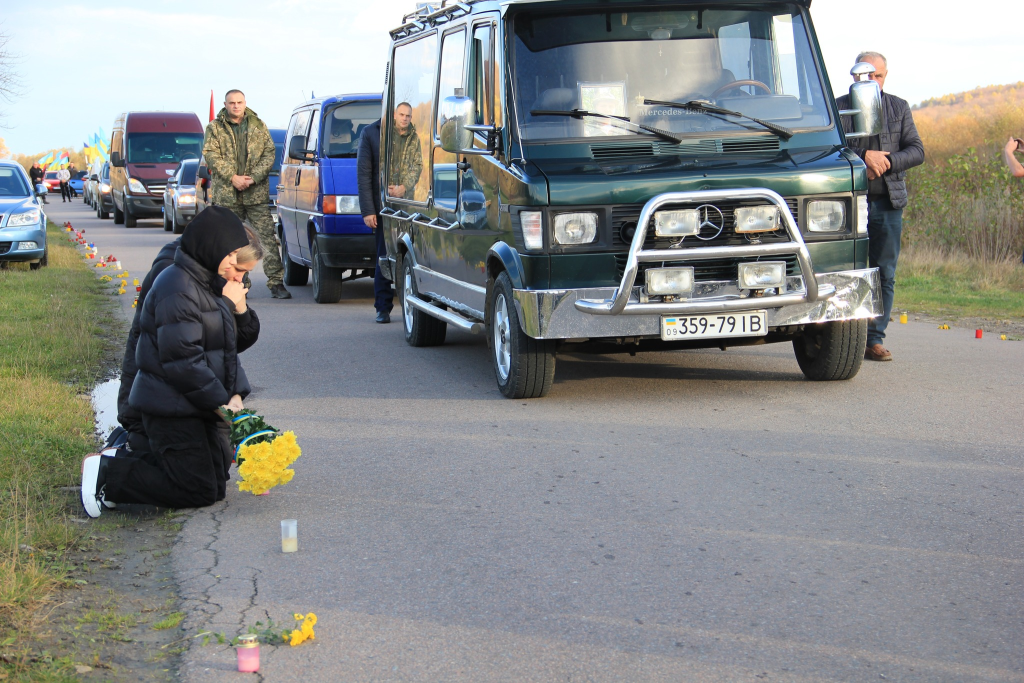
(624, 175)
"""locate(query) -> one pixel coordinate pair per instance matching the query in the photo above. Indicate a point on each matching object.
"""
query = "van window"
(408, 131)
(344, 124)
(453, 60)
(299, 126)
(314, 131)
(163, 148)
(483, 74)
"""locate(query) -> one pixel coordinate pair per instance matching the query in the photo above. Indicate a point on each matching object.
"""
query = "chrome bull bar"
(619, 304)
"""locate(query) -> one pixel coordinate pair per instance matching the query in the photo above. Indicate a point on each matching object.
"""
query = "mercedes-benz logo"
(711, 222)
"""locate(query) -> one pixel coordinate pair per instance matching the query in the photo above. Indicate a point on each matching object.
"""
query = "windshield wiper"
(621, 121)
(706, 107)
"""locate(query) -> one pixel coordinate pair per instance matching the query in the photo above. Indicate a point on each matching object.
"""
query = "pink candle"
(248, 654)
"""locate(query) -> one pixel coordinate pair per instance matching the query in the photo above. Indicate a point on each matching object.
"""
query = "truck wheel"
(295, 275)
(523, 366)
(130, 221)
(118, 215)
(420, 329)
(831, 351)
(326, 280)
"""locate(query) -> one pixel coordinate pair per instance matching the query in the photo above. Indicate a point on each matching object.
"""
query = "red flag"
(211, 106)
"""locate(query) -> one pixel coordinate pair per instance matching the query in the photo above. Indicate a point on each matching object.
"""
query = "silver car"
(22, 220)
(180, 196)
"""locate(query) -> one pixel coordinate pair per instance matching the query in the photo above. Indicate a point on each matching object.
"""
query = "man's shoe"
(92, 499)
(279, 292)
(383, 317)
(877, 352)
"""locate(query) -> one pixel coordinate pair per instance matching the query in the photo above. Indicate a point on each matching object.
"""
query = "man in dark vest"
(368, 174)
(888, 155)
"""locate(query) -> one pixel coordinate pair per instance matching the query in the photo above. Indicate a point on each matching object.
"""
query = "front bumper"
(142, 206)
(347, 251)
(10, 239)
(553, 314)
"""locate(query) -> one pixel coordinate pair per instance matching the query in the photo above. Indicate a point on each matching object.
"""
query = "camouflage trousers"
(260, 219)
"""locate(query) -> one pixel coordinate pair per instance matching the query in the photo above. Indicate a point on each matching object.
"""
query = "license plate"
(746, 324)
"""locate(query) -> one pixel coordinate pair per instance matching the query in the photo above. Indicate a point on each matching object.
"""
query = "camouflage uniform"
(226, 158)
(406, 160)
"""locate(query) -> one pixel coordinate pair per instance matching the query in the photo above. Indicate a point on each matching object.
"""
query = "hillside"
(982, 118)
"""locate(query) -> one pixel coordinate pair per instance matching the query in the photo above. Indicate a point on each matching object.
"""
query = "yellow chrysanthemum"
(265, 465)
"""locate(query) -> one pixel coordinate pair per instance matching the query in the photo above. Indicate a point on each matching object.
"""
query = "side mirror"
(297, 149)
(456, 130)
(865, 103)
(203, 172)
(95, 178)
(171, 182)
(116, 159)
(41, 190)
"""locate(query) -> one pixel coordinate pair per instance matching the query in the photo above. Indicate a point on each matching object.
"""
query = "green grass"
(170, 621)
(958, 287)
(55, 327)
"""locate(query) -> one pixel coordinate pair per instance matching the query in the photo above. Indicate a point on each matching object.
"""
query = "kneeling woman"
(187, 356)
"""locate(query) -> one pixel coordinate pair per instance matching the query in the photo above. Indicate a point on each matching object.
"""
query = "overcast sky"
(84, 63)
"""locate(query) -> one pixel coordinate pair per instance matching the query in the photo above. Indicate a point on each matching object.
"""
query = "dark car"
(613, 177)
(180, 197)
(103, 199)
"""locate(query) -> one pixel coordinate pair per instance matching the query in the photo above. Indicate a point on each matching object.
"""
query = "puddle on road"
(104, 403)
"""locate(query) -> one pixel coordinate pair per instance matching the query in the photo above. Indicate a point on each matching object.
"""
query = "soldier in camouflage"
(240, 153)
(406, 157)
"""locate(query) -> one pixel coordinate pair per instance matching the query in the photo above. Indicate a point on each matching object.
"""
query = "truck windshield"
(755, 61)
(344, 124)
(163, 148)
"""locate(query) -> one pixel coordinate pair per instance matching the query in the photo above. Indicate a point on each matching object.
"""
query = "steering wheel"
(741, 83)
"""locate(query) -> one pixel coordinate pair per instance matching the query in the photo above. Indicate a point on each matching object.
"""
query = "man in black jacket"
(888, 156)
(368, 173)
(188, 368)
(37, 174)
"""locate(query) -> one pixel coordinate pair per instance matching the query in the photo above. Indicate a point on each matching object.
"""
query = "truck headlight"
(826, 216)
(662, 281)
(757, 218)
(532, 224)
(23, 218)
(136, 186)
(862, 214)
(341, 204)
(762, 275)
(678, 223)
(575, 228)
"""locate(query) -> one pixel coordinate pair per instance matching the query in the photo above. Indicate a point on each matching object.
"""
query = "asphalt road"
(674, 516)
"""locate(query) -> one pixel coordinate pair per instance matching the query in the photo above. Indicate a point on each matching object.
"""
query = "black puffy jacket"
(247, 324)
(898, 137)
(187, 353)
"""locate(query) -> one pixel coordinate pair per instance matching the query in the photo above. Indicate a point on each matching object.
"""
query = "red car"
(51, 182)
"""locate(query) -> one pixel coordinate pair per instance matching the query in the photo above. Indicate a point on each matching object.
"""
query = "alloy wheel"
(502, 341)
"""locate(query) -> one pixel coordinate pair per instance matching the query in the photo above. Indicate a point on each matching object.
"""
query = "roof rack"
(430, 14)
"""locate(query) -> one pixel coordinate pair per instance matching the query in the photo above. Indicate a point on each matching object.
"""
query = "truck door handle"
(298, 177)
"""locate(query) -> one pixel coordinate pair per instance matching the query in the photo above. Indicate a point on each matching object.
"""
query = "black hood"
(211, 235)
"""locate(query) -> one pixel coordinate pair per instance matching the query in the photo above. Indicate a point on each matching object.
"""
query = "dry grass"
(933, 281)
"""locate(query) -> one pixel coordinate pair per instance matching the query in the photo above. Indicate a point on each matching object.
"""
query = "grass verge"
(56, 327)
(941, 285)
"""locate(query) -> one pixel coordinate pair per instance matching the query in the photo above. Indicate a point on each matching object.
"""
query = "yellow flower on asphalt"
(298, 617)
(264, 465)
(304, 632)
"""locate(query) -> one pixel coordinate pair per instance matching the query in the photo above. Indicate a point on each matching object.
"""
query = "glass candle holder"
(248, 654)
(289, 535)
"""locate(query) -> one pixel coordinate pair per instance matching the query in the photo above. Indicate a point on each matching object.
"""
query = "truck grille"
(626, 216)
(156, 189)
(611, 151)
(706, 270)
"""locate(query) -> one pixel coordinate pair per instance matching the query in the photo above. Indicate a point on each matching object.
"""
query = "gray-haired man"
(888, 155)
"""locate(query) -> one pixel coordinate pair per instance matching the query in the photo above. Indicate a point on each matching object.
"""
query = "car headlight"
(826, 216)
(104, 188)
(678, 223)
(762, 275)
(757, 218)
(186, 199)
(862, 214)
(136, 186)
(533, 229)
(27, 246)
(341, 204)
(575, 228)
(662, 281)
(23, 218)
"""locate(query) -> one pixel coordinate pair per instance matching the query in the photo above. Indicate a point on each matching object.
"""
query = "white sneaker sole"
(90, 472)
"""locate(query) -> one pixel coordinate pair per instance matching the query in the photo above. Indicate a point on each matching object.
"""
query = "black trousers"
(65, 191)
(187, 465)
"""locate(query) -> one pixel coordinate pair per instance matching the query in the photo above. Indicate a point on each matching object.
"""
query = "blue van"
(321, 227)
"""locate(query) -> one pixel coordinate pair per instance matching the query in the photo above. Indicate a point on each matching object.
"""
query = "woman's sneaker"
(90, 478)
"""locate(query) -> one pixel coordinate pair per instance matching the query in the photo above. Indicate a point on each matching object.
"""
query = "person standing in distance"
(888, 155)
(240, 153)
(36, 174)
(368, 173)
(64, 176)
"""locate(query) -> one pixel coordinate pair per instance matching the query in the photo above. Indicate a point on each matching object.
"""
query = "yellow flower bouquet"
(263, 454)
